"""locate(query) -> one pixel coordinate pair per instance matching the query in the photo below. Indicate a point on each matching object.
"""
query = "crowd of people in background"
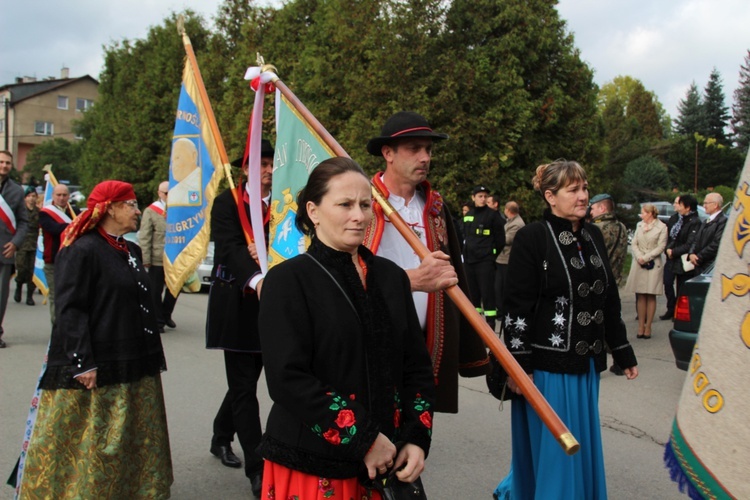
(549, 288)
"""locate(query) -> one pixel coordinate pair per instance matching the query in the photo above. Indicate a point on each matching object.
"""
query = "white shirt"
(394, 247)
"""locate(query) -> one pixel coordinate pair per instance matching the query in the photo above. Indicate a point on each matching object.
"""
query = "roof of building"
(25, 90)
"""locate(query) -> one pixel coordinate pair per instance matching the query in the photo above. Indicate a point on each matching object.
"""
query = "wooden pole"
(209, 115)
(529, 390)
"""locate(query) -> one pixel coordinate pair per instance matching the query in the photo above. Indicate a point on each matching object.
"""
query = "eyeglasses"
(709, 202)
(132, 204)
(163, 192)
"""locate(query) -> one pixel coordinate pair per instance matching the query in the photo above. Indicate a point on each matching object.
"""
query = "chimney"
(65, 73)
(29, 79)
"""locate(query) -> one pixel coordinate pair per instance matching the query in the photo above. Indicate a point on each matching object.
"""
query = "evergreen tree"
(715, 110)
(61, 153)
(691, 117)
(514, 93)
(644, 177)
(741, 108)
(632, 126)
(128, 134)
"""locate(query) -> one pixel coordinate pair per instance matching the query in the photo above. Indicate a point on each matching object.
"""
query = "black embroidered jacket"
(562, 301)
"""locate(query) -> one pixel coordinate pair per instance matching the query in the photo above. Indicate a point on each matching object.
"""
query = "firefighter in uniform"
(484, 234)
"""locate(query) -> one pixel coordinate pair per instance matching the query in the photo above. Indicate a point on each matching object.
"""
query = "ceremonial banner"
(40, 279)
(709, 450)
(195, 170)
(299, 149)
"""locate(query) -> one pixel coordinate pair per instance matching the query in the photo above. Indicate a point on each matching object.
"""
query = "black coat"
(342, 363)
(553, 303)
(706, 244)
(484, 235)
(681, 244)
(104, 316)
(232, 320)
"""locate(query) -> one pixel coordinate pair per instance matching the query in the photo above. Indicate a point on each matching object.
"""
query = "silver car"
(205, 267)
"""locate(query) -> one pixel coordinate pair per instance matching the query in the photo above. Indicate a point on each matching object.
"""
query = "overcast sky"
(667, 44)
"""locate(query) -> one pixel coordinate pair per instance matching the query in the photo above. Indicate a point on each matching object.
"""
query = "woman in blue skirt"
(562, 306)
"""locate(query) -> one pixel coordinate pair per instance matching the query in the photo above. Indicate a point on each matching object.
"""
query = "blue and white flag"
(195, 171)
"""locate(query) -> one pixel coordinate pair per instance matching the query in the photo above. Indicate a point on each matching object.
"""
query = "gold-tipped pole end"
(569, 443)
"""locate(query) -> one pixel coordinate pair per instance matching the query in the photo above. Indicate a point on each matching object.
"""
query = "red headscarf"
(104, 194)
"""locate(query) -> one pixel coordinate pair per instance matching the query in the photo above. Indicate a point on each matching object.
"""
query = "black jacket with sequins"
(562, 302)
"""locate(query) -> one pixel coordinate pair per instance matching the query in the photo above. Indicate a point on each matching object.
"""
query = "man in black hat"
(405, 143)
(484, 239)
(232, 323)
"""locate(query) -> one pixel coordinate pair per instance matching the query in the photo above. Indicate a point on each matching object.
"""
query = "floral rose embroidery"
(332, 436)
(426, 419)
(397, 418)
(345, 419)
(325, 487)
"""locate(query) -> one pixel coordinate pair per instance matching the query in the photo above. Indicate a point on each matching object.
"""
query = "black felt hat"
(266, 151)
(399, 126)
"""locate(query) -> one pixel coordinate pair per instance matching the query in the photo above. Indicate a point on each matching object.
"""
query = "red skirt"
(281, 483)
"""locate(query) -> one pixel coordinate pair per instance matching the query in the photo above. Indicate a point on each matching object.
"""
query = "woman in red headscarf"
(101, 427)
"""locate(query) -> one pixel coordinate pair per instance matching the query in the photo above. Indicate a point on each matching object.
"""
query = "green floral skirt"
(111, 442)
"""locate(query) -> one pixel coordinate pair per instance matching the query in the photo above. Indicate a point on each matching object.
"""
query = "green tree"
(62, 154)
(632, 125)
(741, 108)
(644, 177)
(715, 110)
(514, 93)
(127, 135)
(691, 116)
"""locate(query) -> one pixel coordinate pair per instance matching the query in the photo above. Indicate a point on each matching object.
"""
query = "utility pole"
(7, 124)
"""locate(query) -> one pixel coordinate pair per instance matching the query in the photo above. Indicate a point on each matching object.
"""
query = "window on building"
(83, 104)
(62, 102)
(44, 128)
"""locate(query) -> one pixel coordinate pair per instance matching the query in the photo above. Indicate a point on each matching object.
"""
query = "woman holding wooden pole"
(562, 305)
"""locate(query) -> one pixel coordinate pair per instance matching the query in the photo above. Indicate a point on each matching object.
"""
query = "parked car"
(205, 267)
(666, 210)
(688, 312)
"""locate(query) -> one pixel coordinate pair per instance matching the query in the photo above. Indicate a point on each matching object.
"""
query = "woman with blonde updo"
(561, 306)
(646, 273)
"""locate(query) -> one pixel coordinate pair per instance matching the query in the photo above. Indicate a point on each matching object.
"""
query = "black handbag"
(648, 265)
(390, 488)
(497, 381)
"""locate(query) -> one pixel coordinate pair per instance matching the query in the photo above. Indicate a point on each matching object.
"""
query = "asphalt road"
(470, 451)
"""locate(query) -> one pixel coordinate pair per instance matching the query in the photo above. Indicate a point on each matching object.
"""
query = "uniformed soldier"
(26, 253)
(615, 233)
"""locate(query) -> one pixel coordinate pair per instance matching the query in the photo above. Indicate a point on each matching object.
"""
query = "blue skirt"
(540, 469)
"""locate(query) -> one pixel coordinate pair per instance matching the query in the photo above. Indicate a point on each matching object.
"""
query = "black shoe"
(227, 456)
(30, 301)
(617, 370)
(170, 323)
(17, 296)
(3, 345)
(667, 315)
(256, 483)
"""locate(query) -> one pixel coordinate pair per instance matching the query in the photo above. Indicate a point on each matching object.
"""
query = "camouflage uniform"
(616, 239)
(26, 253)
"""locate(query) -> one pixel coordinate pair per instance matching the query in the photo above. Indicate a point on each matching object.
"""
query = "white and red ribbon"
(7, 215)
(261, 83)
